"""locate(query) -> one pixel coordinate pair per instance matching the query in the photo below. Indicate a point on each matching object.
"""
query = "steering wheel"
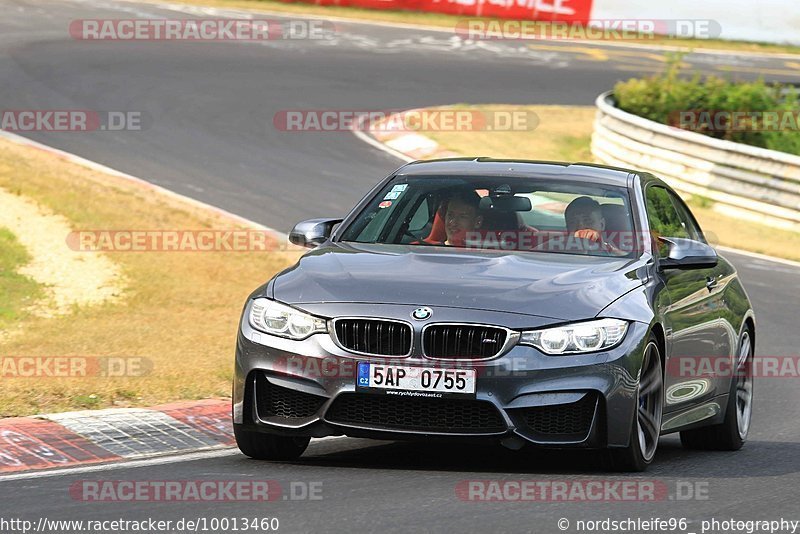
(415, 239)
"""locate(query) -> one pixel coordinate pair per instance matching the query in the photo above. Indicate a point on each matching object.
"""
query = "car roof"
(597, 174)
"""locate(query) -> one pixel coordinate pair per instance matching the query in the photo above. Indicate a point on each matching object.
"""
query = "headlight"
(281, 320)
(576, 338)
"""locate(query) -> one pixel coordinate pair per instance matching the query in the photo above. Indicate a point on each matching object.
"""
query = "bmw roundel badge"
(420, 314)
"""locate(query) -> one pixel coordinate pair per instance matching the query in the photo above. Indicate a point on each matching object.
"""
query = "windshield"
(498, 213)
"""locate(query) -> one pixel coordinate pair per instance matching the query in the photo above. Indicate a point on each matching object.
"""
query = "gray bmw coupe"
(531, 303)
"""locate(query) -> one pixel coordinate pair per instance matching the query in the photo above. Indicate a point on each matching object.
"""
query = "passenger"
(584, 218)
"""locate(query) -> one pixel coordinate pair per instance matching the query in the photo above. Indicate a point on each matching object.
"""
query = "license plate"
(415, 381)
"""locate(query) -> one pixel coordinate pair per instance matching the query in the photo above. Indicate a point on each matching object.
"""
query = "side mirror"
(687, 254)
(313, 232)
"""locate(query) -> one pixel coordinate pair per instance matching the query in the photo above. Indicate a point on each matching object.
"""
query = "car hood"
(558, 286)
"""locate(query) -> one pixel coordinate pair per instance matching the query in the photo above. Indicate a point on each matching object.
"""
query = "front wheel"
(732, 433)
(269, 447)
(646, 425)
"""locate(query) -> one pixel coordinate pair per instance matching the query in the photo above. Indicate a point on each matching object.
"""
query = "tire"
(731, 434)
(646, 423)
(261, 446)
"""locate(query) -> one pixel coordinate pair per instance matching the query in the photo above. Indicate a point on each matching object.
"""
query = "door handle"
(711, 282)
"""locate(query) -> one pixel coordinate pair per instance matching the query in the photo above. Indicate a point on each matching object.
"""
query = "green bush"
(663, 97)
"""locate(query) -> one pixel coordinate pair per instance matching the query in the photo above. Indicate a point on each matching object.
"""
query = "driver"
(457, 215)
(462, 217)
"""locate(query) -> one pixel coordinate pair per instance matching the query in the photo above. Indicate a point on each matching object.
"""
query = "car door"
(691, 310)
(717, 280)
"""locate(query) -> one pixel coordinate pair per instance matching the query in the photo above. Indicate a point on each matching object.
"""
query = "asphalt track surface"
(208, 133)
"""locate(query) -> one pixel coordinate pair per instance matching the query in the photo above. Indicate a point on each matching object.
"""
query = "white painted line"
(358, 131)
(411, 142)
(216, 452)
(146, 462)
(89, 164)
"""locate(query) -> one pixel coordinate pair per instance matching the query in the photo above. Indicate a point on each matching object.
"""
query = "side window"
(421, 217)
(375, 222)
(663, 217)
(686, 218)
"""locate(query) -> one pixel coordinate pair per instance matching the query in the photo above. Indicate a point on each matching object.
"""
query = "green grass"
(665, 96)
(16, 290)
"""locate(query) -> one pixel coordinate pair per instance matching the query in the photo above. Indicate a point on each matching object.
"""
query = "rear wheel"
(732, 433)
(269, 447)
(646, 425)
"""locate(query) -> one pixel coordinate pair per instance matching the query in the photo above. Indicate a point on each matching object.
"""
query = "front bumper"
(308, 388)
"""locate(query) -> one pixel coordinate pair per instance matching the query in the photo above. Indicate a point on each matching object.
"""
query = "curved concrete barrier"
(750, 182)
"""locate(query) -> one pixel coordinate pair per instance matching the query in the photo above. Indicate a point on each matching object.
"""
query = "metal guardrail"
(750, 182)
